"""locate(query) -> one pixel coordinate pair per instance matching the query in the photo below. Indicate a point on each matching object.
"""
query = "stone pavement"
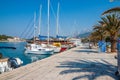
(74, 64)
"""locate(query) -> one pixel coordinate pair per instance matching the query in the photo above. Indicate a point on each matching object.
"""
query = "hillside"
(4, 37)
(84, 35)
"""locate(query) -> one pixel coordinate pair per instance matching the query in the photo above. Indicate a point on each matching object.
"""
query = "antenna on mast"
(48, 20)
(57, 25)
(39, 32)
(34, 25)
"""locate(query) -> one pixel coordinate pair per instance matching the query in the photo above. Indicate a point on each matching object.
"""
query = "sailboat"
(35, 48)
(57, 46)
(48, 47)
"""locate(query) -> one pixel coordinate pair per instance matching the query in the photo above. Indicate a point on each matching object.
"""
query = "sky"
(75, 16)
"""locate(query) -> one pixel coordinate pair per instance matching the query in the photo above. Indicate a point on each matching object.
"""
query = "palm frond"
(116, 9)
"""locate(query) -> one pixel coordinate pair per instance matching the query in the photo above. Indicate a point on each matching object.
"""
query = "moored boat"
(9, 64)
(37, 49)
(56, 47)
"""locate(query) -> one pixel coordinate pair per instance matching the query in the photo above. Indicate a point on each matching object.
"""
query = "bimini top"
(63, 37)
(43, 37)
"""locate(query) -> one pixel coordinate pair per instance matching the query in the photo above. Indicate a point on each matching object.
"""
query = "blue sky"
(75, 16)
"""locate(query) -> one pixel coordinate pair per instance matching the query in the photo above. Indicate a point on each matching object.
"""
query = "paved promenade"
(74, 64)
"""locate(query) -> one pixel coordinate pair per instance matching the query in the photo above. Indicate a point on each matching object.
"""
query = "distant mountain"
(84, 35)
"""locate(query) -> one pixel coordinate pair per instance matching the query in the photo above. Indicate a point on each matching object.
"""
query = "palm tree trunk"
(101, 37)
(113, 46)
(113, 42)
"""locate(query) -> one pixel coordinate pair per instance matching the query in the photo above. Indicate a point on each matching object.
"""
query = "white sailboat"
(57, 46)
(35, 48)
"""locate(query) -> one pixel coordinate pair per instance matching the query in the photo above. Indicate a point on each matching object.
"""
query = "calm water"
(19, 52)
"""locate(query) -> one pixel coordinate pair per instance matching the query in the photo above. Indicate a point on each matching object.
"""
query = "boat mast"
(34, 26)
(40, 20)
(57, 25)
(48, 20)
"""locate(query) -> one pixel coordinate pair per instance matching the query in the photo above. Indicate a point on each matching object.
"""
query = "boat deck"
(73, 64)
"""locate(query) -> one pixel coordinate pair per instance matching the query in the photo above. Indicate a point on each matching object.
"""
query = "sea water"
(19, 52)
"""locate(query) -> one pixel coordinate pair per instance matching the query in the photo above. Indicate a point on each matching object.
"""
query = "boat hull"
(63, 49)
(57, 49)
(39, 52)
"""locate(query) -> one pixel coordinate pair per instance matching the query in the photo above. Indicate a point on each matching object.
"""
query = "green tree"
(4, 37)
(111, 25)
(99, 31)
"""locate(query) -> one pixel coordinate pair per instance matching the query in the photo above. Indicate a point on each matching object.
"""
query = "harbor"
(74, 64)
(59, 40)
(8, 51)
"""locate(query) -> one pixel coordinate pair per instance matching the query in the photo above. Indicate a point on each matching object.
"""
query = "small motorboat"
(9, 64)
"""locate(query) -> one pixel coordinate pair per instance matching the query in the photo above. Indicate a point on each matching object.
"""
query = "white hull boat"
(37, 49)
(9, 64)
(56, 49)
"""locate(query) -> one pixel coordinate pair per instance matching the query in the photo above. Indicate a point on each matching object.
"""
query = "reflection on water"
(19, 52)
(35, 57)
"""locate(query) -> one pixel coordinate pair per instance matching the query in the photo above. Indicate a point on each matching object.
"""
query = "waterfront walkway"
(74, 64)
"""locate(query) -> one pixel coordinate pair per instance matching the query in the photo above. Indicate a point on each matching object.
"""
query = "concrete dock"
(74, 64)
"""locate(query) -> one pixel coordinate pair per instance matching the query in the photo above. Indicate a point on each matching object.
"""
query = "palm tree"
(112, 10)
(111, 24)
(99, 31)
(94, 37)
(98, 34)
(115, 11)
